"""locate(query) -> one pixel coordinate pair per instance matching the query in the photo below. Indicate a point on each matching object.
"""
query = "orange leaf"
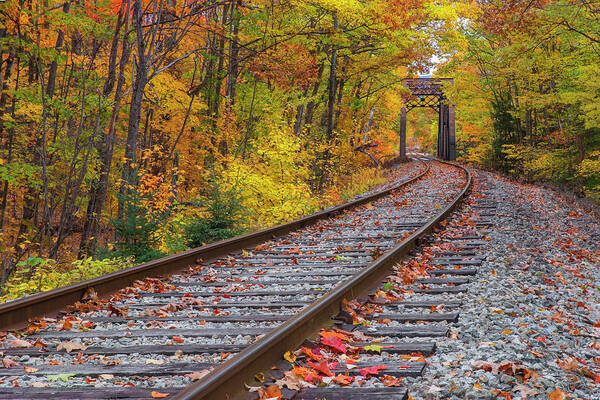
(159, 395)
(273, 392)
(66, 326)
(177, 339)
(557, 394)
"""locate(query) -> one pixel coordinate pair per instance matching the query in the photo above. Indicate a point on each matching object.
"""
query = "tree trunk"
(310, 107)
(233, 65)
(54, 64)
(135, 109)
(99, 190)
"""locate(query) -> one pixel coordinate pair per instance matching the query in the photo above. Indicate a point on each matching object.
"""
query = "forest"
(135, 129)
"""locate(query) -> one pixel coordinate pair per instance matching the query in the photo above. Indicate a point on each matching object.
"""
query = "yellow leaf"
(477, 386)
(506, 332)
(291, 357)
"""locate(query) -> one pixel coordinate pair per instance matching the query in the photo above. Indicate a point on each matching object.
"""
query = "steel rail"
(227, 381)
(16, 314)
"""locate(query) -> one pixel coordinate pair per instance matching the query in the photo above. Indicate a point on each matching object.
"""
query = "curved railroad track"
(203, 332)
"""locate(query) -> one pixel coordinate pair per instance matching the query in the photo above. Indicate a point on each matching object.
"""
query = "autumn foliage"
(121, 119)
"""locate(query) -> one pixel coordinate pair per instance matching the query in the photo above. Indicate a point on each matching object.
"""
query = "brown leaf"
(67, 325)
(194, 376)
(292, 381)
(35, 327)
(19, 343)
(31, 369)
(568, 363)
(70, 346)
(557, 394)
(8, 362)
(271, 393)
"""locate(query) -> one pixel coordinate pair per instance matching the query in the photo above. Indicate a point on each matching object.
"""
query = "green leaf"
(62, 377)
(388, 286)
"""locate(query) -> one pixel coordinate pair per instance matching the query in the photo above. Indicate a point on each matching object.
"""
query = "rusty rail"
(227, 381)
(16, 314)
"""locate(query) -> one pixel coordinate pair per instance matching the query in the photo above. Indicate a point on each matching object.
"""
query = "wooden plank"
(461, 271)
(392, 348)
(429, 317)
(207, 318)
(91, 393)
(246, 274)
(199, 332)
(425, 304)
(255, 282)
(148, 349)
(408, 331)
(352, 393)
(444, 281)
(170, 369)
(243, 304)
(456, 262)
(441, 290)
(246, 293)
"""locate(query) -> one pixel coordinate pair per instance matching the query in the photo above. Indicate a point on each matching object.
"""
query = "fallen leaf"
(271, 393)
(334, 343)
(62, 377)
(373, 347)
(322, 367)
(19, 343)
(177, 339)
(291, 357)
(194, 376)
(391, 381)
(159, 395)
(106, 376)
(8, 362)
(151, 361)
(557, 394)
(343, 380)
(70, 346)
(373, 370)
(568, 363)
(39, 384)
(67, 325)
(291, 380)
(31, 369)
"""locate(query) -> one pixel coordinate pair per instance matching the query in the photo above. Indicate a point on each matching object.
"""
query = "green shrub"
(136, 232)
(224, 218)
(45, 276)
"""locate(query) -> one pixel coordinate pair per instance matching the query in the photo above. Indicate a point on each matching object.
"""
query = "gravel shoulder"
(529, 326)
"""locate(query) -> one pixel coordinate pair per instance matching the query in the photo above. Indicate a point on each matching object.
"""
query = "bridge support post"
(402, 149)
(451, 134)
(443, 132)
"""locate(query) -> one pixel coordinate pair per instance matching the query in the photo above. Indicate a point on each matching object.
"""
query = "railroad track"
(378, 345)
(234, 313)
